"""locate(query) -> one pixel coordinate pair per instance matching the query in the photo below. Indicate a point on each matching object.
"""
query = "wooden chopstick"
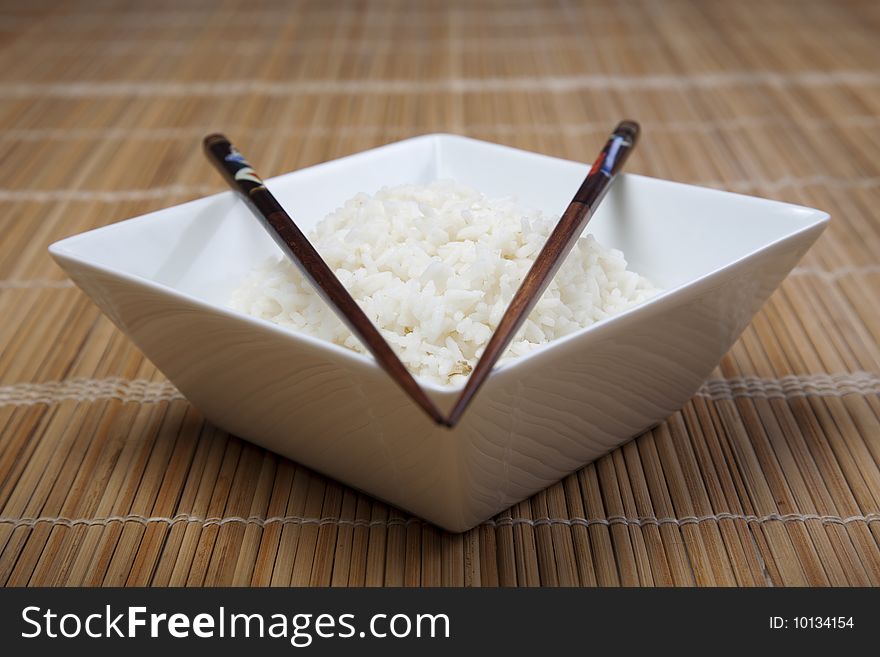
(560, 242)
(242, 178)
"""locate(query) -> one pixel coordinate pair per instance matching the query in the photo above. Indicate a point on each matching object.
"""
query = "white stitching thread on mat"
(227, 88)
(824, 274)
(145, 392)
(816, 385)
(33, 283)
(786, 182)
(502, 43)
(834, 274)
(118, 195)
(105, 196)
(641, 521)
(269, 17)
(588, 128)
(134, 390)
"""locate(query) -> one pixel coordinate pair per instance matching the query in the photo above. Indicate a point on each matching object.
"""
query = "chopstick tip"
(455, 414)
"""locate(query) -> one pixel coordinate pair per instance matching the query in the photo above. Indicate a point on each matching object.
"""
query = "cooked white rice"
(434, 267)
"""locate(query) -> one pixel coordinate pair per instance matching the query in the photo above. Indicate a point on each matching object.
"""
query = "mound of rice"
(434, 267)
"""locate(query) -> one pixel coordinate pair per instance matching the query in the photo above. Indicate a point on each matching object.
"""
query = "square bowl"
(164, 279)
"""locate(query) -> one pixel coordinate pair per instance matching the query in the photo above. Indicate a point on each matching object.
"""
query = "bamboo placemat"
(769, 476)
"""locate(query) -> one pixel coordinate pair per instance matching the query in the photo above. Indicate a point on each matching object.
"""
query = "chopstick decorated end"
(232, 166)
(628, 128)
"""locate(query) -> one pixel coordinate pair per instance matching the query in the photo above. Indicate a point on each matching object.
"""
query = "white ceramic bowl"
(164, 279)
